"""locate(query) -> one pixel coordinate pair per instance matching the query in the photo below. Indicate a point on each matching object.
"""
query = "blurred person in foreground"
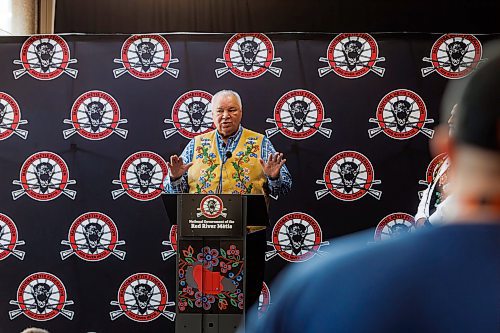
(436, 197)
(442, 279)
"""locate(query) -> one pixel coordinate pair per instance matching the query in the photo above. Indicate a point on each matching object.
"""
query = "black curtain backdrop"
(46, 99)
(139, 16)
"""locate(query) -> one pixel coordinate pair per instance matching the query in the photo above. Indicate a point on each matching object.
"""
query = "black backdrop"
(139, 16)
(143, 225)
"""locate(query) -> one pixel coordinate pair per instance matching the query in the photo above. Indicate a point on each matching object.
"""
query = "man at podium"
(232, 160)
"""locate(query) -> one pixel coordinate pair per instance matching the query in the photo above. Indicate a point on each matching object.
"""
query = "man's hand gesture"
(273, 165)
(177, 167)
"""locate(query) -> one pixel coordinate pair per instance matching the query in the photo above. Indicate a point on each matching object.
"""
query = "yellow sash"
(241, 173)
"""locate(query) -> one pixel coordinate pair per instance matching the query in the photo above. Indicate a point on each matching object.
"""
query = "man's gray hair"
(227, 92)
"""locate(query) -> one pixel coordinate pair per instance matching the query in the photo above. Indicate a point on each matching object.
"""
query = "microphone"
(228, 154)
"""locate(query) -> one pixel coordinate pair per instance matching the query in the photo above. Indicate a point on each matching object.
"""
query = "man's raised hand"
(177, 167)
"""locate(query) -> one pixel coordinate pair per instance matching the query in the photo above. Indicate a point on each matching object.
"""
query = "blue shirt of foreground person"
(444, 279)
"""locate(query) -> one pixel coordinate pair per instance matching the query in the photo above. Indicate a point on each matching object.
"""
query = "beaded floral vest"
(241, 173)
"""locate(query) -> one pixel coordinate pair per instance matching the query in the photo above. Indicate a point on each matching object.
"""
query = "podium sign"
(210, 215)
(211, 248)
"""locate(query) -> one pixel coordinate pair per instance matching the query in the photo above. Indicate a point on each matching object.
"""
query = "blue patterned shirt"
(278, 186)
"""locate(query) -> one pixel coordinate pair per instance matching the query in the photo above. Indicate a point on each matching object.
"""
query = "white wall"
(20, 17)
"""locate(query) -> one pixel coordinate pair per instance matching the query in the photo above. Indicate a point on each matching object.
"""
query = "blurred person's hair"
(478, 122)
(478, 99)
(34, 330)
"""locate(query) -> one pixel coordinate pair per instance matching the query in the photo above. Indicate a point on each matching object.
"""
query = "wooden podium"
(214, 238)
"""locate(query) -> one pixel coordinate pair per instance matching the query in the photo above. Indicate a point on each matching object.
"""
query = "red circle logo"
(349, 175)
(353, 55)
(264, 300)
(44, 176)
(248, 56)
(8, 237)
(401, 114)
(45, 57)
(146, 56)
(434, 166)
(299, 114)
(141, 176)
(93, 236)
(42, 296)
(394, 225)
(142, 297)
(454, 56)
(296, 237)
(10, 116)
(95, 115)
(192, 114)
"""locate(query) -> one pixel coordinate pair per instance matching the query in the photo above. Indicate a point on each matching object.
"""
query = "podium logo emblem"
(401, 114)
(394, 225)
(298, 115)
(45, 57)
(41, 296)
(348, 176)
(93, 236)
(44, 176)
(352, 55)
(248, 56)
(454, 56)
(10, 118)
(146, 57)
(211, 207)
(142, 297)
(95, 115)
(191, 115)
(9, 239)
(296, 237)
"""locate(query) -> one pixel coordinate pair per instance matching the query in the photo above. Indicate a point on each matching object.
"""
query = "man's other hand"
(273, 165)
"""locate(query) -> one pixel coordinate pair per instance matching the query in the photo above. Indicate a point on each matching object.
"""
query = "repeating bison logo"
(454, 56)
(394, 225)
(401, 114)
(44, 176)
(296, 237)
(248, 56)
(141, 176)
(299, 114)
(352, 55)
(95, 115)
(93, 236)
(41, 296)
(45, 57)
(348, 176)
(191, 115)
(142, 297)
(9, 239)
(10, 118)
(146, 57)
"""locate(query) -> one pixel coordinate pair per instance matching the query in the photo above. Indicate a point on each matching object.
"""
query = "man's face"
(451, 121)
(227, 115)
